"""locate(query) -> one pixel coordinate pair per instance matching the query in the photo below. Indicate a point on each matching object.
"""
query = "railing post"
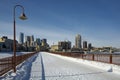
(82, 56)
(93, 57)
(13, 63)
(110, 58)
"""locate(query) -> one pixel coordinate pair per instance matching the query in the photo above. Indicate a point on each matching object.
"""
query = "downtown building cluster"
(78, 47)
(81, 46)
(25, 43)
(31, 44)
(28, 43)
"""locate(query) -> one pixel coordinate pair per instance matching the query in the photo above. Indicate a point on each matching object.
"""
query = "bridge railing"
(6, 64)
(106, 58)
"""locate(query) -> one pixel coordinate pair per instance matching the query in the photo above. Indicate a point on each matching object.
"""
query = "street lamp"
(23, 17)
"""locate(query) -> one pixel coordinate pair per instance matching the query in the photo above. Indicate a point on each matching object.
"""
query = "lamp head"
(23, 17)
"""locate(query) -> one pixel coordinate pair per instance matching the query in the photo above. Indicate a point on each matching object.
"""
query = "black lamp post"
(23, 17)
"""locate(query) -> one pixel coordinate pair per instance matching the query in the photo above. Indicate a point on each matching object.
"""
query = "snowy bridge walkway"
(50, 67)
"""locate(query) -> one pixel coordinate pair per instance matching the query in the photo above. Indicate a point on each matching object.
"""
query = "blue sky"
(97, 21)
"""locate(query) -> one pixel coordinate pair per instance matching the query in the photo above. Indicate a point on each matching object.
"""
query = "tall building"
(84, 44)
(21, 38)
(38, 42)
(32, 40)
(65, 45)
(44, 42)
(78, 41)
(89, 46)
(27, 40)
(44, 45)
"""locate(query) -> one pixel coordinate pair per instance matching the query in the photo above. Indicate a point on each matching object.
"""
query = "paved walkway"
(49, 67)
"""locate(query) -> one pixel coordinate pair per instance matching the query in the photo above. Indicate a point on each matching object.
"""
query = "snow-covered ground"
(5, 54)
(9, 54)
(46, 66)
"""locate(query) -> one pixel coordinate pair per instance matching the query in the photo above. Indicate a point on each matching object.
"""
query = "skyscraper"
(27, 40)
(65, 45)
(32, 40)
(21, 38)
(78, 41)
(38, 41)
(44, 42)
(89, 46)
(84, 44)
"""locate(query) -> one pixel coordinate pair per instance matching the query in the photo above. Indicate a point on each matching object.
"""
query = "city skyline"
(96, 21)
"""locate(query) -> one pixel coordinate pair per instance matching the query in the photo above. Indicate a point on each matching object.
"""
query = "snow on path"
(36, 70)
(49, 67)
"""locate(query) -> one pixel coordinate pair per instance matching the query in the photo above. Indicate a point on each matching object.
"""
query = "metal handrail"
(6, 64)
(106, 58)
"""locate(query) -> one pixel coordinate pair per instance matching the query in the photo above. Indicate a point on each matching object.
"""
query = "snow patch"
(13, 74)
(104, 66)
